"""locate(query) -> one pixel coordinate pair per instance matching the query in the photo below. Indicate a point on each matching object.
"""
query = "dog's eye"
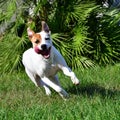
(37, 41)
(47, 38)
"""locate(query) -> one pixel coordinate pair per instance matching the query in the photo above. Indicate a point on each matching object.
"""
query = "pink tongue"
(37, 50)
(44, 53)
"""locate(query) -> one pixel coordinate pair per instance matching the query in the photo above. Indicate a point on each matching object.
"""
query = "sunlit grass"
(97, 98)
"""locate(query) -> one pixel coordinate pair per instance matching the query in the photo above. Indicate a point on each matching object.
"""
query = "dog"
(43, 61)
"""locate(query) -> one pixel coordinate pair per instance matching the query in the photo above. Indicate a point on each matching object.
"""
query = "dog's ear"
(45, 27)
(30, 33)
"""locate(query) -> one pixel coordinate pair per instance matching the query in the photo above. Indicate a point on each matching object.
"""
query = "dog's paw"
(75, 81)
(48, 92)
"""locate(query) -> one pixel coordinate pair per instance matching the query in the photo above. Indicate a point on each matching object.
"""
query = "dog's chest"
(51, 70)
(49, 67)
(38, 65)
(46, 67)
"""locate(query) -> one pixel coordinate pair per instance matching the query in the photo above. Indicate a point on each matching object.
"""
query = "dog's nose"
(44, 47)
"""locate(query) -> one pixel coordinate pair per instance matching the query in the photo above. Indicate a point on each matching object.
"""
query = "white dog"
(43, 61)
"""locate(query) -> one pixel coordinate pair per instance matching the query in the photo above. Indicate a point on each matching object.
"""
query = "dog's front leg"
(68, 72)
(47, 90)
(56, 87)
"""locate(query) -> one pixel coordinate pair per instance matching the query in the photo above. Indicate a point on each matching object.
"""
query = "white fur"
(43, 71)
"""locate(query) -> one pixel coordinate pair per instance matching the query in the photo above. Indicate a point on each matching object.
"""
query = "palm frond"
(12, 48)
(81, 62)
(63, 45)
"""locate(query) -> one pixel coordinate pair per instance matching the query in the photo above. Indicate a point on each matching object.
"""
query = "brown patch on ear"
(45, 27)
(30, 33)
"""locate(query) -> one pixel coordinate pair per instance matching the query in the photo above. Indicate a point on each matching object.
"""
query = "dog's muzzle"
(45, 51)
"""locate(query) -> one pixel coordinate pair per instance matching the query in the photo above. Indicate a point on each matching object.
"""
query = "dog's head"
(42, 42)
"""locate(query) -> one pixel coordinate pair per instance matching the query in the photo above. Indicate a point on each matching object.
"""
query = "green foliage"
(81, 37)
(12, 49)
(105, 32)
(62, 18)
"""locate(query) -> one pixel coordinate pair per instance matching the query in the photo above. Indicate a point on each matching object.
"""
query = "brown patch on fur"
(35, 38)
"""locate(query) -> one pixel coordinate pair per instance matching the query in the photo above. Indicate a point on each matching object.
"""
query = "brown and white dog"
(43, 61)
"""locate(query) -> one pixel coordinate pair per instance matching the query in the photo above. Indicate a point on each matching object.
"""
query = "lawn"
(96, 98)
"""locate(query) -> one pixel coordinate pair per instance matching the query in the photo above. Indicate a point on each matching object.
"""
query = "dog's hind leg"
(35, 78)
(38, 82)
(55, 80)
(32, 77)
(47, 90)
(46, 87)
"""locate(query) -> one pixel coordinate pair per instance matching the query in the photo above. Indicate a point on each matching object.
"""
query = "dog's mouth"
(45, 53)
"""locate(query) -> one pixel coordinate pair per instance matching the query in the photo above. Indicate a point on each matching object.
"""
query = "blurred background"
(86, 32)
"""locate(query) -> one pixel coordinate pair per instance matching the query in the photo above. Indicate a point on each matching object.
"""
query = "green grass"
(97, 98)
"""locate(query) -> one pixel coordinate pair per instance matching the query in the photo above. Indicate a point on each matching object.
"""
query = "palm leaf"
(63, 45)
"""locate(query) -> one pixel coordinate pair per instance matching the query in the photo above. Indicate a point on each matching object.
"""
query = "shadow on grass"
(92, 89)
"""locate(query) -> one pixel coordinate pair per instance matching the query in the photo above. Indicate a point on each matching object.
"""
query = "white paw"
(48, 93)
(75, 81)
(47, 90)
